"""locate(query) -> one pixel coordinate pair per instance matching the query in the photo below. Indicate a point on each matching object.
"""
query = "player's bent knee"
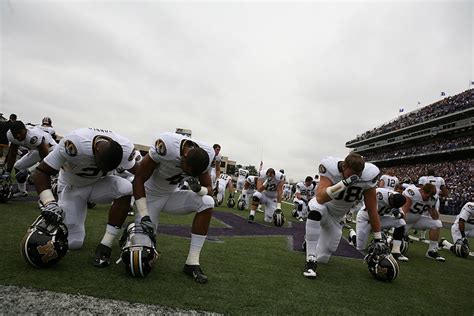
(207, 203)
(314, 215)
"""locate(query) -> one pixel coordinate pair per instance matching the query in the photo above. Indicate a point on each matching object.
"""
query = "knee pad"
(314, 215)
(208, 202)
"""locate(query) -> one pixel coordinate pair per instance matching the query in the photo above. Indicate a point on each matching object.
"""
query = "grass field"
(247, 275)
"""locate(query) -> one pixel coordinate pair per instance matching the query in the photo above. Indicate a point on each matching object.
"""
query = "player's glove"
(193, 184)
(397, 213)
(380, 247)
(52, 213)
(147, 225)
(351, 180)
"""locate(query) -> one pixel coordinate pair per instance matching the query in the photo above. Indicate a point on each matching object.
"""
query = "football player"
(421, 213)
(47, 126)
(38, 143)
(269, 193)
(224, 182)
(388, 180)
(304, 193)
(216, 165)
(250, 186)
(84, 159)
(342, 182)
(242, 175)
(462, 228)
(286, 191)
(389, 204)
(170, 160)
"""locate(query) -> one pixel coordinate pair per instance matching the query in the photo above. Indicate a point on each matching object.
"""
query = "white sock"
(110, 233)
(313, 229)
(252, 212)
(433, 245)
(197, 241)
(22, 187)
(396, 246)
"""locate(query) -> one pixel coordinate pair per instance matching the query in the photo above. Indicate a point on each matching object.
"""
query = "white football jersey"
(216, 159)
(382, 201)
(419, 206)
(48, 129)
(271, 187)
(307, 192)
(74, 157)
(224, 179)
(467, 213)
(389, 181)
(34, 137)
(331, 168)
(438, 182)
(243, 173)
(166, 152)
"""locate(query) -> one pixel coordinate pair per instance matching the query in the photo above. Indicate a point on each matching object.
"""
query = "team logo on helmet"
(379, 196)
(322, 169)
(411, 192)
(33, 140)
(70, 148)
(160, 147)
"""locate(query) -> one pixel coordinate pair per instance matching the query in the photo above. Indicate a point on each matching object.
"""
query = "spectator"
(4, 127)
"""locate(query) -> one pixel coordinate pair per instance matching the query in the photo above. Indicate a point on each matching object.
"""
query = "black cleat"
(310, 269)
(102, 256)
(251, 219)
(195, 272)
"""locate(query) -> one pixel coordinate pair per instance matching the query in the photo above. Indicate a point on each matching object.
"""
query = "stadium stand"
(438, 136)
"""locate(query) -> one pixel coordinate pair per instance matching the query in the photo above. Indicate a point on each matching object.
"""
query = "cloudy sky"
(291, 80)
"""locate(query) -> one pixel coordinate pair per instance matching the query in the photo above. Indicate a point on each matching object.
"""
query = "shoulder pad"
(329, 166)
(370, 173)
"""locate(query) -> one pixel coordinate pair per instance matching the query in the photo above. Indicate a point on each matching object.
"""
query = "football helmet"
(461, 249)
(230, 203)
(241, 204)
(404, 246)
(44, 244)
(5, 188)
(138, 250)
(46, 121)
(278, 218)
(382, 266)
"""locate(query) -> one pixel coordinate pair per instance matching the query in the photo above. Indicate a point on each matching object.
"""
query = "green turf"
(247, 275)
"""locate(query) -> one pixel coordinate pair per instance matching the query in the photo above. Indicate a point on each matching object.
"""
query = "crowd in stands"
(458, 176)
(443, 107)
(432, 147)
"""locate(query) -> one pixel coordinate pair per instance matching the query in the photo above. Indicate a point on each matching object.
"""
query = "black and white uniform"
(306, 194)
(243, 174)
(81, 181)
(322, 237)
(222, 184)
(34, 138)
(467, 214)
(390, 182)
(215, 163)
(418, 217)
(438, 182)
(387, 220)
(268, 197)
(162, 191)
(247, 194)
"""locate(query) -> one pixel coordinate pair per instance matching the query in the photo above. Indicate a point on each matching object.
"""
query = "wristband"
(141, 206)
(378, 235)
(46, 196)
(334, 190)
(202, 192)
(279, 206)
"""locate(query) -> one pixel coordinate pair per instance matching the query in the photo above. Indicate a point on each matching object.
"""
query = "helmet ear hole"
(44, 244)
